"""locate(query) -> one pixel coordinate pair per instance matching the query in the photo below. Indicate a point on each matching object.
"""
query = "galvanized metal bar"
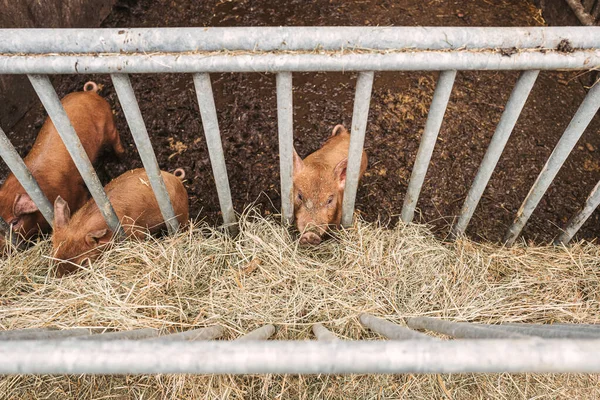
(17, 166)
(210, 123)
(360, 114)
(580, 121)
(577, 221)
(151, 40)
(545, 332)
(390, 330)
(53, 106)
(298, 62)
(285, 124)
(300, 357)
(509, 118)
(41, 333)
(208, 333)
(4, 226)
(572, 326)
(441, 95)
(133, 115)
(460, 329)
(323, 333)
(262, 333)
(135, 334)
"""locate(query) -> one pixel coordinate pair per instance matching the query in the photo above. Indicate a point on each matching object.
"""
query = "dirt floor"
(246, 107)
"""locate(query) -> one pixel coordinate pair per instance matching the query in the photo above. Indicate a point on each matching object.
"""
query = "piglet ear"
(62, 213)
(298, 163)
(94, 238)
(340, 173)
(23, 205)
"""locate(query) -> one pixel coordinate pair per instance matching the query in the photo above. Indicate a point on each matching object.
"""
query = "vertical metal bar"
(579, 219)
(579, 122)
(209, 333)
(23, 175)
(136, 124)
(360, 114)
(208, 112)
(45, 91)
(441, 95)
(503, 131)
(262, 333)
(460, 329)
(285, 123)
(389, 329)
(323, 333)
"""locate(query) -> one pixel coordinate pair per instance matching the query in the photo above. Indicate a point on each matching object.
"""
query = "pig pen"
(204, 277)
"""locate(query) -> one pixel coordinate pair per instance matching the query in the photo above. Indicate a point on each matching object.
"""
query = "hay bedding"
(203, 277)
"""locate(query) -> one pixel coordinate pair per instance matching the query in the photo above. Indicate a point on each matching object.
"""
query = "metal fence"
(201, 51)
(477, 348)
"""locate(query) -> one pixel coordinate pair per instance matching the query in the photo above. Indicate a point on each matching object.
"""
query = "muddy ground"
(246, 107)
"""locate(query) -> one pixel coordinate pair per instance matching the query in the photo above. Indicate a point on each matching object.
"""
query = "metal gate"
(283, 51)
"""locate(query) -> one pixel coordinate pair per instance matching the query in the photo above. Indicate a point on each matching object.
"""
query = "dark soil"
(247, 113)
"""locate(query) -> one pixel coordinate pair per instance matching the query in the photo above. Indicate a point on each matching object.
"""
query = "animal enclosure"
(284, 52)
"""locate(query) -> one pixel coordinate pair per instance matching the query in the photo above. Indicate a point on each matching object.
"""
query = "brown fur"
(82, 236)
(52, 166)
(319, 182)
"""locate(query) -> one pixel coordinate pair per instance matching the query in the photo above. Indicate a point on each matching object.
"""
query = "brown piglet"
(52, 166)
(319, 182)
(84, 235)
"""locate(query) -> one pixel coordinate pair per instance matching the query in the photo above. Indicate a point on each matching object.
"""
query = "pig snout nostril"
(310, 239)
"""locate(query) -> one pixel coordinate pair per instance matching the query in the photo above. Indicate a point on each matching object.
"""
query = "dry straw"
(203, 277)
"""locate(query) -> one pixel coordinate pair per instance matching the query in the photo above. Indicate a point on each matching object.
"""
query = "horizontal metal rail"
(297, 62)
(150, 40)
(300, 357)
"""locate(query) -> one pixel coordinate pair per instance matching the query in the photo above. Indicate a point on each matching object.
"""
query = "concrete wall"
(16, 94)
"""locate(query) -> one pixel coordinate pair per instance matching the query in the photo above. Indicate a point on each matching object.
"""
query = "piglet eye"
(300, 196)
(14, 221)
(330, 200)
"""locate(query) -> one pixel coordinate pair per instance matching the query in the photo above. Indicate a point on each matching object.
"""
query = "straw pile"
(203, 277)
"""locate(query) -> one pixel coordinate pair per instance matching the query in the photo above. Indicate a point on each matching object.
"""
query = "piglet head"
(73, 245)
(318, 193)
(23, 221)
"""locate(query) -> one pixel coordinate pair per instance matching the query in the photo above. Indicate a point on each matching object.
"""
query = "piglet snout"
(310, 239)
